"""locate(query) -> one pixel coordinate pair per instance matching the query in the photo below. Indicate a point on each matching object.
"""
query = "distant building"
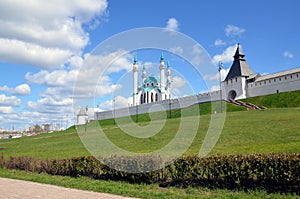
(153, 88)
(82, 116)
(241, 82)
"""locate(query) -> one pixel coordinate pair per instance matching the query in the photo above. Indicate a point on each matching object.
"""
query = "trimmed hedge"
(273, 172)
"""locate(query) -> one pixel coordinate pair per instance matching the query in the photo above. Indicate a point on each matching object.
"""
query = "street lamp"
(219, 69)
(170, 113)
(114, 106)
(137, 114)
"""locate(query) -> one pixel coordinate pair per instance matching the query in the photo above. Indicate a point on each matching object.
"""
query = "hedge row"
(273, 172)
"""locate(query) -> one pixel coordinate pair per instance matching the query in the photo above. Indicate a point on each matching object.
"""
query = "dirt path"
(13, 189)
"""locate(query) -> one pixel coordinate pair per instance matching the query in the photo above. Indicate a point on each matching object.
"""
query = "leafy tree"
(37, 128)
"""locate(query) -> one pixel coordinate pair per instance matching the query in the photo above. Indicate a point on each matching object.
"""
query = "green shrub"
(273, 172)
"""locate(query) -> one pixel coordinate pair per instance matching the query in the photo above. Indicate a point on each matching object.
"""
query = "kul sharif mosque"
(153, 88)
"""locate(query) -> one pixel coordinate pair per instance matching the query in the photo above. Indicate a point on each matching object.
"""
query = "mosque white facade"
(153, 88)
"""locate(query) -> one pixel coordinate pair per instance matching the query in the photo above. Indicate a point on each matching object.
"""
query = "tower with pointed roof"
(239, 67)
(235, 84)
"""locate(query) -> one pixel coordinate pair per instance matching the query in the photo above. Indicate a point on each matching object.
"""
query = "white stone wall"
(278, 84)
(82, 119)
(237, 84)
(182, 102)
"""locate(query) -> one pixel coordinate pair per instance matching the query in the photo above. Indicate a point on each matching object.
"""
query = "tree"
(37, 128)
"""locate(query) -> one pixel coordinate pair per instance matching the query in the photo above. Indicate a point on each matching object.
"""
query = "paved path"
(13, 189)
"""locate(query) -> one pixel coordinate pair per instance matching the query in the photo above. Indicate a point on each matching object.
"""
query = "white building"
(153, 88)
(82, 116)
(241, 82)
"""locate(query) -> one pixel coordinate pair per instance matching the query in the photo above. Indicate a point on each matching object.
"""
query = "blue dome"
(152, 79)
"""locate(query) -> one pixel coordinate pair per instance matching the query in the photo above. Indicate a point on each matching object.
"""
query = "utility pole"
(114, 111)
(170, 113)
(219, 69)
(137, 114)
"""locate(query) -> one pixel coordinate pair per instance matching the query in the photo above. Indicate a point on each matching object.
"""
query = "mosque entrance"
(232, 94)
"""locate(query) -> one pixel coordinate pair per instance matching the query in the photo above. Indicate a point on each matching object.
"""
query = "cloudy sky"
(44, 44)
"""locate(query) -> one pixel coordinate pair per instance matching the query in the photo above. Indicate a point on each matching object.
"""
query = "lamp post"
(137, 114)
(219, 69)
(170, 113)
(114, 111)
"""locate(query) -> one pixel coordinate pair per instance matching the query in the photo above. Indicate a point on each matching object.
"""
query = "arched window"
(156, 97)
(152, 100)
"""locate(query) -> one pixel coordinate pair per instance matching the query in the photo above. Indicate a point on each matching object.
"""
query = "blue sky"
(43, 46)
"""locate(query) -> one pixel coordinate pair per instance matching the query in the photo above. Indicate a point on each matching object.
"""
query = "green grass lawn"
(244, 132)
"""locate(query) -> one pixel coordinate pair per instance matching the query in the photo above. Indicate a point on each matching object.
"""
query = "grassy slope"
(278, 100)
(272, 130)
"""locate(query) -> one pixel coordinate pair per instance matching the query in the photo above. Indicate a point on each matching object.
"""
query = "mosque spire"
(135, 60)
(135, 80)
(162, 56)
(168, 76)
(162, 74)
(144, 74)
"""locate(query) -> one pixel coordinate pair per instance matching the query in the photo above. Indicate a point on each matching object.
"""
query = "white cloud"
(215, 88)
(9, 100)
(20, 52)
(96, 74)
(172, 24)
(53, 79)
(288, 54)
(46, 34)
(113, 62)
(176, 50)
(51, 106)
(75, 62)
(57, 98)
(198, 54)
(6, 109)
(232, 30)
(216, 77)
(220, 42)
(120, 102)
(177, 84)
(22, 89)
(226, 56)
